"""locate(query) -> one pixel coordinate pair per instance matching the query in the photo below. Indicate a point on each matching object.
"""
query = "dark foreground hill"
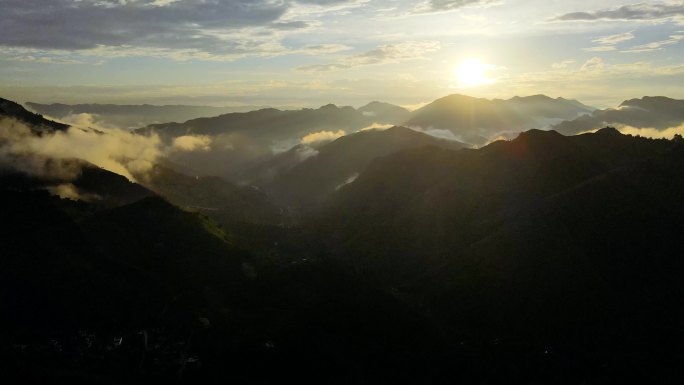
(10, 109)
(556, 259)
(147, 293)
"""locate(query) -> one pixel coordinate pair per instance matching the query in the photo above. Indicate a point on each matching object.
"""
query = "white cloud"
(643, 12)
(388, 53)
(647, 132)
(593, 64)
(305, 152)
(439, 133)
(604, 48)
(322, 136)
(608, 43)
(69, 191)
(347, 181)
(614, 39)
(377, 126)
(440, 6)
(115, 150)
(667, 133)
(656, 45)
(562, 64)
(192, 143)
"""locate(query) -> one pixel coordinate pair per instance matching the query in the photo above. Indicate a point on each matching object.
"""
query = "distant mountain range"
(277, 125)
(335, 164)
(658, 112)
(471, 120)
(133, 116)
(476, 120)
(253, 136)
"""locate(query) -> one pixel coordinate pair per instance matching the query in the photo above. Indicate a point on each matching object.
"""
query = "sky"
(307, 53)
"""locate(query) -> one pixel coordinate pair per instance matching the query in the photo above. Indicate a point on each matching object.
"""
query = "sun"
(472, 73)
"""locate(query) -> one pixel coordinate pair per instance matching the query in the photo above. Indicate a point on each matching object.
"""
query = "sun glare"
(472, 73)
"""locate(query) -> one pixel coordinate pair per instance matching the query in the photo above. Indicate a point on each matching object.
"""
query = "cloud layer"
(115, 150)
(54, 155)
(389, 53)
(630, 12)
(181, 29)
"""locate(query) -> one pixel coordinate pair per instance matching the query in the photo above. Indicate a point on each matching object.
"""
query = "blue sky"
(311, 52)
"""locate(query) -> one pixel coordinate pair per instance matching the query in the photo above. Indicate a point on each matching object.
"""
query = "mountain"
(452, 198)
(656, 112)
(385, 112)
(138, 291)
(545, 259)
(222, 200)
(333, 165)
(133, 116)
(476, 120)
(147, 292)
(243, 140)
(10, 109)
(544, 251)
(269, 123)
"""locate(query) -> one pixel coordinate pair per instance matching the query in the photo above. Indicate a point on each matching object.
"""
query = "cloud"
(439, 133)
(656, 45)
(647, 132)
(304, 152)
(614, 39)
(192, 143)
(52, 155)
(563, 64)
(180, 30)
(608, 43)
(72, 24)
(69, 191)
(438, 6)
(597, 68)
(667, 133)
(389, 53)
(630, 12)
(347, 181)
(377, 126)
(322, 136)
(84, 120)
(415, 106)
(604, 48)
(595, 63)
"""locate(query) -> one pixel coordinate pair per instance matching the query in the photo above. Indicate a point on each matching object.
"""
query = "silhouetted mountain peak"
(539, 140)
(399, 130)
(377, 106)
(455, 98)
(538, 97)
(647, 102)
(608, 131)
(538, 134)
(374, 105)
(37, 122)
